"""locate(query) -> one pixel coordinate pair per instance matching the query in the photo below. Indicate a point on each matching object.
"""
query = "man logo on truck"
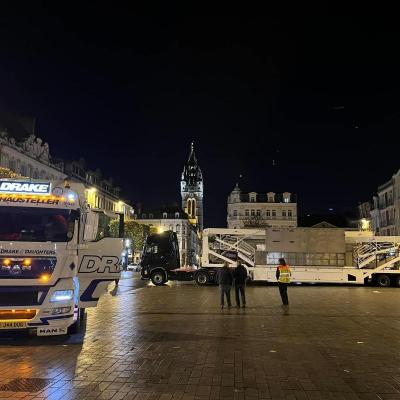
(90, 264)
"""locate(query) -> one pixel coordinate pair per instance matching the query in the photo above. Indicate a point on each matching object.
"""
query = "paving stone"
(174, 343)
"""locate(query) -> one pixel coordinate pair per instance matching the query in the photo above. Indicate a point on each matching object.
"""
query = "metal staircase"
(229, 245)
(367, 253)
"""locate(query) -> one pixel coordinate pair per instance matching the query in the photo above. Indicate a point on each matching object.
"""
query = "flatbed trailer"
(376, 259)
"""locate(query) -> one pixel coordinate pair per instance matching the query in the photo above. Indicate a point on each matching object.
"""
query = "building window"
(177, 215)
(258, 213)
(183, 244)
(253, 213)
(271, 198)
(191, 208)
(183, 229)
(274, 213)
(235, 213)
(289, 213)
(253, 198)
(165, 215)
(283, 213)
(246, 213)
(268, 213)
(178, 228)
(143, 215)
(286, 200)
(150, 216)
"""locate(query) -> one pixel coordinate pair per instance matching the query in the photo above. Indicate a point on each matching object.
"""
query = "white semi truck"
(316, 255)
(56, 256)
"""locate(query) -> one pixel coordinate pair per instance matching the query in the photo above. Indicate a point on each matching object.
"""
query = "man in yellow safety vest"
(283, 274)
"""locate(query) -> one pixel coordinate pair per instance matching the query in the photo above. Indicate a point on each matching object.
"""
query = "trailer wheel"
(202, 278)
(383, 280)
(158, 278)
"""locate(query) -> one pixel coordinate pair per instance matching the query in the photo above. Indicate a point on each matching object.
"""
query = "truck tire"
(158, 278)
(383, 280)
(202, 278)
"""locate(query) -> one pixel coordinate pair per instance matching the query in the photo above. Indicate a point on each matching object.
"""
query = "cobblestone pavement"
(174, 342)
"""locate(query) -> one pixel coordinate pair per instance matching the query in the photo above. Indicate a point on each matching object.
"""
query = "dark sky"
(128, 93)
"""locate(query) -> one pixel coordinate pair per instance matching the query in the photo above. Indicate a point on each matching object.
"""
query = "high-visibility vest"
(284, 274)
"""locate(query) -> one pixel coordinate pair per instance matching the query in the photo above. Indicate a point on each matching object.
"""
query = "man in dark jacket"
(225, 280)
(240, 275)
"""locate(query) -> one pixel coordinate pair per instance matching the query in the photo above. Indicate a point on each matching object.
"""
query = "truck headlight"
(62, 295)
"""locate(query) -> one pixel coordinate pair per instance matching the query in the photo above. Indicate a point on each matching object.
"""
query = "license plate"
(12, 325)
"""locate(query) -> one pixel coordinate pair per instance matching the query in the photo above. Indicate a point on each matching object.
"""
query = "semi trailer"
(316, 255)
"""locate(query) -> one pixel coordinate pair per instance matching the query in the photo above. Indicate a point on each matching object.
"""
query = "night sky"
(128, 93)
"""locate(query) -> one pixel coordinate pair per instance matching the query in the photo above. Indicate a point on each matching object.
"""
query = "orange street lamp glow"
(45, 278)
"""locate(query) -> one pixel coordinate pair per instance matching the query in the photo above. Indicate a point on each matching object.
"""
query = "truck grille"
(19, 298)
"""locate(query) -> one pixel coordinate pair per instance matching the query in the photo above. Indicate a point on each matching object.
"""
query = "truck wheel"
(383, 281)
(202, 278)
(158, 278)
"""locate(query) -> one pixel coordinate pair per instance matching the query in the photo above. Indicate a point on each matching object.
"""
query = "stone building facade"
(385, 209)
(261, 210)
(28, 155)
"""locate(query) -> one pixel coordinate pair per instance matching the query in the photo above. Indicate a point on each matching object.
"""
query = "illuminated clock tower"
(192, 190)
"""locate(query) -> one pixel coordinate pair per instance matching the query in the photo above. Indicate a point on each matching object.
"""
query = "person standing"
(283, 274)
(240, 276)
(225, 280)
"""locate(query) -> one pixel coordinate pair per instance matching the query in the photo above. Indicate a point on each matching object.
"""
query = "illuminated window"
(165, 215)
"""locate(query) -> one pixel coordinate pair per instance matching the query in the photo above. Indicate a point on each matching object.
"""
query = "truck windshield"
(28, 224)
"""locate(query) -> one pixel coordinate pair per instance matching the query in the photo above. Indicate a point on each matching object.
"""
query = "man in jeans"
(240, 275)
(225, 280)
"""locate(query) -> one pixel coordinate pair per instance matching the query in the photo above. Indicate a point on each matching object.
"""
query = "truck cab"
(56, 258)
(160, 259)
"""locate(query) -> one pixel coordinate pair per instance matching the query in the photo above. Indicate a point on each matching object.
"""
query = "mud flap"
(99, 264)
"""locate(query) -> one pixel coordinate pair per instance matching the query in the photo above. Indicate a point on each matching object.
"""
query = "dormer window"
(150, 216)
(143, 215)
(177, 215)
(253, 197)
(286, 197)
(271, 197)
(165, 215)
